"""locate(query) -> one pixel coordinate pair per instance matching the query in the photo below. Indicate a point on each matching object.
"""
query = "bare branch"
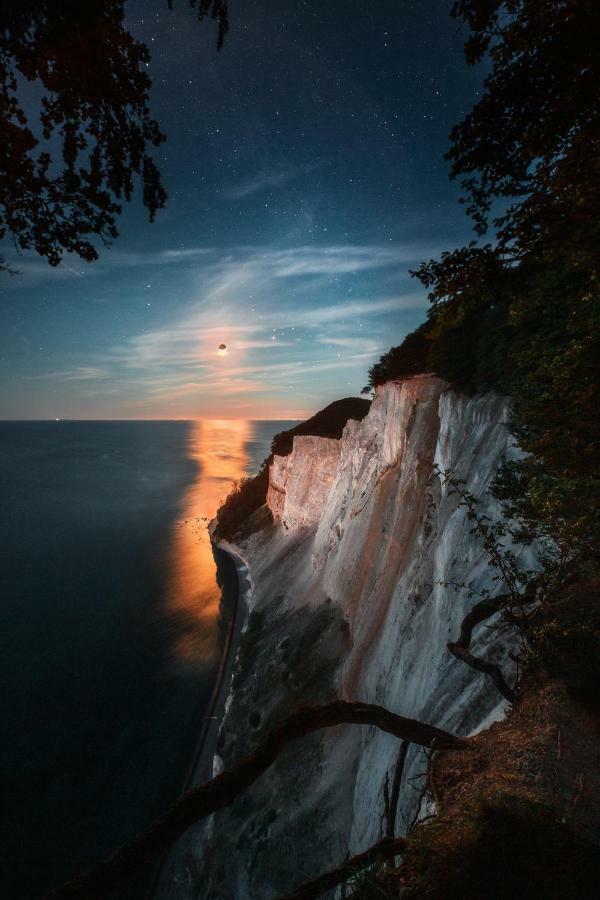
(483, 610)
(221, 791)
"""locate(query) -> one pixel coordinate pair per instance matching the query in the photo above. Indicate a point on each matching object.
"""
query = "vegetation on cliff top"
(521, 313)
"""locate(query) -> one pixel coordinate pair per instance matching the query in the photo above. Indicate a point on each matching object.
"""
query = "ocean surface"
(111, 627)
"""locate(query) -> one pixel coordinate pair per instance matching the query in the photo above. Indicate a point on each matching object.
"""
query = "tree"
(533, 139)
(63, 178)
(521, 313)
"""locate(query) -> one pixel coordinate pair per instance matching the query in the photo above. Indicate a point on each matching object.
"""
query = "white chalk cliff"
(348, 601)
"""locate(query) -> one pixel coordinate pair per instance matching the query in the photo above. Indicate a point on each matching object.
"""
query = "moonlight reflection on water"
(218, 447)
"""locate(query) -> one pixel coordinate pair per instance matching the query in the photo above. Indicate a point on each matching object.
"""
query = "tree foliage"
(521, 312)
(533, 138)
(64, 176)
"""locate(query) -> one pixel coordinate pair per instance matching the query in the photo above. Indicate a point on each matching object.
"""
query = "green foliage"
(245, 498)
(554, 383)
(521, 315)
(500, 540)
(328, 422)
(94, 110)
(410, 358)
(532, 140)
(560, 624)
(566, 640)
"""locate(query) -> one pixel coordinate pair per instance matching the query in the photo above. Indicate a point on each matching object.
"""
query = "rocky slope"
(348, 601)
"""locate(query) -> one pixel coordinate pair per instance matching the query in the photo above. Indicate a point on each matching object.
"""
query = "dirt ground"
(518, 814)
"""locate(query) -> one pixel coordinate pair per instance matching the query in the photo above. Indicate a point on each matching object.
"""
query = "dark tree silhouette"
(518, 310)
(202, 801)
(63, 177)
(531, 144)
(533, 139)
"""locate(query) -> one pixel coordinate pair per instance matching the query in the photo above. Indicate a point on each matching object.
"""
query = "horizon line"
(179, 419)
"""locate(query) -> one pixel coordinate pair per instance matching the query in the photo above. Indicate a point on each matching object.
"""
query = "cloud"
(194, 340)
(81, 373)
(264, 180)
(185, 253)
(258, 345)
(289, 317)
(347, 342)
(329, 260)
(146, 259)
(342, 312)
(235, 266)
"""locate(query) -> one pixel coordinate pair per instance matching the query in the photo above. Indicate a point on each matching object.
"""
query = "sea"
(111, 628)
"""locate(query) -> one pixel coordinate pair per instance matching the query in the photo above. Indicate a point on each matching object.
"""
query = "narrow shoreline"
(219, 683)
(198, 770)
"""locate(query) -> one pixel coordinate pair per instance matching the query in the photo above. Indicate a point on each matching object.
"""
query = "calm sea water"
(110, 632)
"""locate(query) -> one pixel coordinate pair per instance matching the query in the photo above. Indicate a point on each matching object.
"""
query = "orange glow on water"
(219, 449)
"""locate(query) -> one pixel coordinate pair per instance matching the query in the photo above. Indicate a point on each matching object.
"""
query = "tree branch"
(221, 791)
(483, 610)
(388, 847)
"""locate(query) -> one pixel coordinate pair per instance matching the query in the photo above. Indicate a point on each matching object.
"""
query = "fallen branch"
(483, 610)
(384, 849)
(221, 791)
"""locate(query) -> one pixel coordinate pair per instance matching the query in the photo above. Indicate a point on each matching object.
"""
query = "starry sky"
(305, 173)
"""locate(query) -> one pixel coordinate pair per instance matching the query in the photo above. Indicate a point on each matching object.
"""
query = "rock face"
(295, 494)
(348, 601)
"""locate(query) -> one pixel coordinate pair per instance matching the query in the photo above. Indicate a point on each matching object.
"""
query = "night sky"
(305, 173)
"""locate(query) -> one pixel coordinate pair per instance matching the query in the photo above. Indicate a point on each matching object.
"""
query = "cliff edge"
(350, 571)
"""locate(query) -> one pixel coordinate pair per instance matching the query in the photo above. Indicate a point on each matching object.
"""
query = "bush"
(567, 643)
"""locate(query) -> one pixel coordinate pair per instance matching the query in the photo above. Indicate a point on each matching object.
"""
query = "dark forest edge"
(520, 314)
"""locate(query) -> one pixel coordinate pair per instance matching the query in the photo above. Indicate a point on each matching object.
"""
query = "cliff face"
(348, 600)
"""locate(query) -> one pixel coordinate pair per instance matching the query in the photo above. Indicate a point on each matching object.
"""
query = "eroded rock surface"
(348, 600)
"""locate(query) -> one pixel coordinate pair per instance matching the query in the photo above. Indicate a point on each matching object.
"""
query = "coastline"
(166, 883)
(201, 763)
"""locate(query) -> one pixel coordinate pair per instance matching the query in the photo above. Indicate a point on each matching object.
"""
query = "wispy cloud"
(237, 264)
(351, 343)
(329, 260)
(185, 253)
(285, 263)
(297, 321)
(81, 373)
(266, 180)
(268, 306)
(193, 340)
